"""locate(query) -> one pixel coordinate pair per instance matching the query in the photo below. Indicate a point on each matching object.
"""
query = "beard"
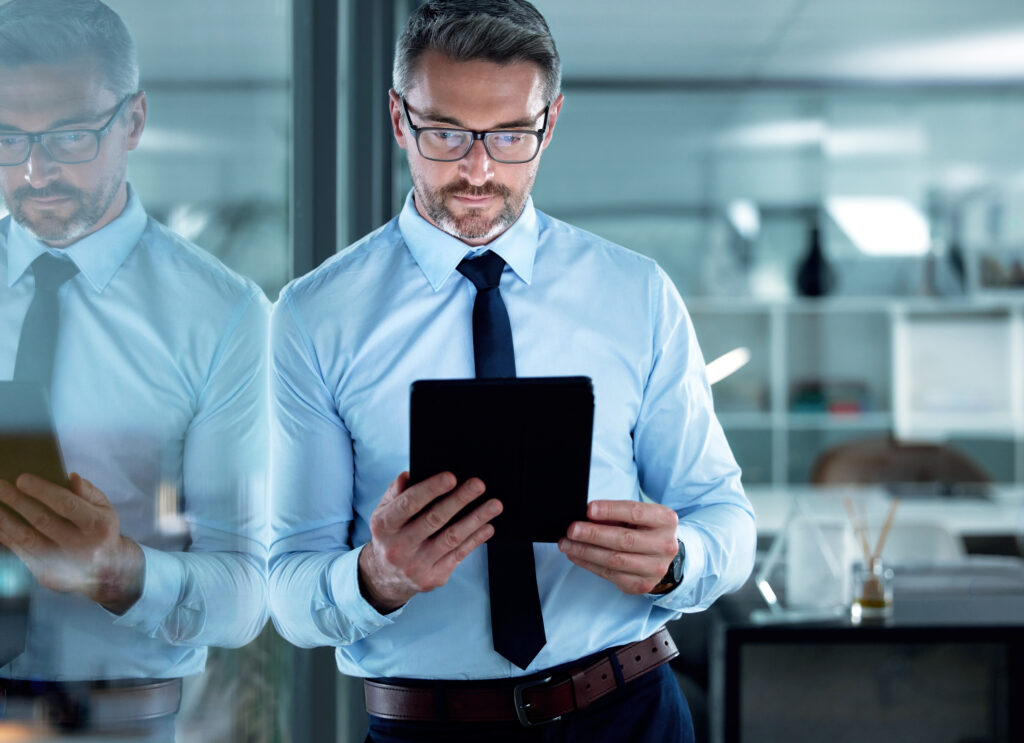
(474, 223)
(54, 226)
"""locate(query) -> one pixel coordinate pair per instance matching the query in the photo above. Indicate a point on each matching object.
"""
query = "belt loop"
(440, 702)
(579, 689)
(613, 656)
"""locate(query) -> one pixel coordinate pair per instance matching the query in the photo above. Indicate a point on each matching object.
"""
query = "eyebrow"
(77, 119)
(441, 118)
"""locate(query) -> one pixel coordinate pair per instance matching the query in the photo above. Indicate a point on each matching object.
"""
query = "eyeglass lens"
(453, 144)
(72, 146)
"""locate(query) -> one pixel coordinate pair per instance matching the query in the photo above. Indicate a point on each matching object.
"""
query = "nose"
(477, 167)
(40, 168)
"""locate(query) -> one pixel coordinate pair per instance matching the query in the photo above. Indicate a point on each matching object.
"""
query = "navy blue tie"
(34, 363)
(38, 341)
(517, 624)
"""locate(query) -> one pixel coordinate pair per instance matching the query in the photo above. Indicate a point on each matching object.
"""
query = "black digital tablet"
(28, 439)
(527, 438)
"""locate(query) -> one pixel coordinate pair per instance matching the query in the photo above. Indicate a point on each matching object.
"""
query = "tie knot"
(484, 271)
(51, 272)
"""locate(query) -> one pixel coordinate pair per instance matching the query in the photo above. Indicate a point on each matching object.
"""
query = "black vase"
(814, 275)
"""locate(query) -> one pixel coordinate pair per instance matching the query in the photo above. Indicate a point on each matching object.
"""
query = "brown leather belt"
(534, 701)
(76, 704)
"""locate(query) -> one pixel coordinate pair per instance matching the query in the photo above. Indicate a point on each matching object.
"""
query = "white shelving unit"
(864, 365)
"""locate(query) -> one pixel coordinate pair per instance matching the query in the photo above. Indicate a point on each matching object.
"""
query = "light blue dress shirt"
(159, 399)
(347, 341)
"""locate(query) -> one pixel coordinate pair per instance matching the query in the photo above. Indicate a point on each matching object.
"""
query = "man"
(157, 385)
(409, 598)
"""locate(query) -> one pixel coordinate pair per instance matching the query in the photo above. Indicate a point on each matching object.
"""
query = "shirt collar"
(438, 253)
(97, 255)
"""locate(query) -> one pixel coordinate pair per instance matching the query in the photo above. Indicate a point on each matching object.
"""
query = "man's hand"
(628, 543)
(71, 540)
(412, 548)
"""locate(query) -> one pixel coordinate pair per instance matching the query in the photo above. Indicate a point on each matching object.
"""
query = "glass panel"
(214, 165)
(214, 160)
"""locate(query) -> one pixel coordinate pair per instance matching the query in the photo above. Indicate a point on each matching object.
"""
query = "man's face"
(57, 202)
(475, 198)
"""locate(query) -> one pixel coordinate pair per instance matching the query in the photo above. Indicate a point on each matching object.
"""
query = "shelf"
(922, 368)
(839, 421)
(857, 305)
(746, 420)
(808, 421)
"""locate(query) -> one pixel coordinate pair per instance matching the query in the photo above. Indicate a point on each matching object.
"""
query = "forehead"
(33, 97)
(478, 93)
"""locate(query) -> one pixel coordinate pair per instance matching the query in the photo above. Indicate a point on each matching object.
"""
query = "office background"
(715, 137)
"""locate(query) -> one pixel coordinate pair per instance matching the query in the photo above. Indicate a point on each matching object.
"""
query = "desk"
(1002, 513)
(946, 668)
(850, 684)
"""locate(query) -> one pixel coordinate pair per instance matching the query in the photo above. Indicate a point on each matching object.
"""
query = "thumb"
(85, 489)
(395, 488)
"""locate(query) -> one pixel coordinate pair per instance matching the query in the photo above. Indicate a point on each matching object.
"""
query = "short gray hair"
(499, 31)
(52, 32)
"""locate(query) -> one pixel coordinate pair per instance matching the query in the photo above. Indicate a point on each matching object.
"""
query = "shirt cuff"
(343, 579)
(161, 586)
(693, 568)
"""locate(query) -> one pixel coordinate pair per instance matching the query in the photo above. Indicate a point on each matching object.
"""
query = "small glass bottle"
(872, 592)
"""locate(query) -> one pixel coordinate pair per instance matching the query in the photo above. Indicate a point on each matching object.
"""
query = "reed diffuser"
(872, 581)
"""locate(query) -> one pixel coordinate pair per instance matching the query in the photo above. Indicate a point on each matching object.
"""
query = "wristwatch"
(674, 576)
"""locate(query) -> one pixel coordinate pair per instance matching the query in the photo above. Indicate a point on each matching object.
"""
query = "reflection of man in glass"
(378, 569)
(156, 375)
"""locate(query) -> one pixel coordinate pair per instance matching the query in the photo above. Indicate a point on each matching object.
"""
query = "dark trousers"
(650, 709)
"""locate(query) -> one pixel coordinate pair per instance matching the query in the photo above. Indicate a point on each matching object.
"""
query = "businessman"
(152, 353)
(461, 639)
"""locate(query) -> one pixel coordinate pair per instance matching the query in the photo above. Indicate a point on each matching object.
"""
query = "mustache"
(464, 188)
(53, 189)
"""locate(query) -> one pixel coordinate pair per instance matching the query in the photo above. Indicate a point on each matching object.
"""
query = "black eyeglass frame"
(37, 137)
(418, 130)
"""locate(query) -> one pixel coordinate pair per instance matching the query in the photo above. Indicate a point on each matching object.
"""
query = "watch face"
(677, 565)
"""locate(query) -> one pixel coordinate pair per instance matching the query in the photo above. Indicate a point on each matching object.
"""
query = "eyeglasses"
(68, 146)
(504, 146)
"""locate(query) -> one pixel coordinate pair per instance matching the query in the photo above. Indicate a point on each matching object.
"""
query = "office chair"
(926, 468)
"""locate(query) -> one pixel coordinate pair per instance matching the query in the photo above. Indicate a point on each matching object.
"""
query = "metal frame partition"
(342, 188)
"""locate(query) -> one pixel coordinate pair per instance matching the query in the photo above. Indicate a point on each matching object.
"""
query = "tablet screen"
(28, 440)
(527, 438)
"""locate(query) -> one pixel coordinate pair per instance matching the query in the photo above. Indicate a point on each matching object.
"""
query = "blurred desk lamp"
(728, 363)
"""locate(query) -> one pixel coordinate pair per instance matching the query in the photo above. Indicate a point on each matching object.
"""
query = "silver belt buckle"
(522, 705)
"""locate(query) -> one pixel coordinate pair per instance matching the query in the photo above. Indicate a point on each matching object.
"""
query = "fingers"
(33, 515)
(73, 507)
(613, 561)
(451, 560)
(661, 542)
(406, 504)
(437, 516)
(18, 535)
(87, 490)
(456, 535)
(626, 582)
(631, 545)
(397, 485)
(650, 515)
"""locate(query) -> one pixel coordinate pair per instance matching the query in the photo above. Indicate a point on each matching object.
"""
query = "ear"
(397, 114)
(553, 111)
(136, 120)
